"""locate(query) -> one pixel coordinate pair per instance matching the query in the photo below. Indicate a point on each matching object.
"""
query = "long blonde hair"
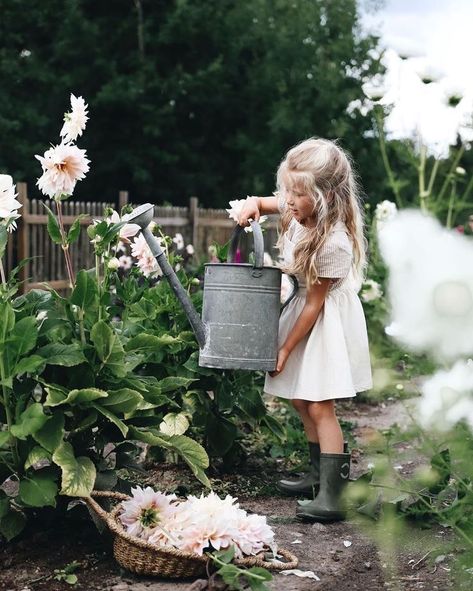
(322, 170)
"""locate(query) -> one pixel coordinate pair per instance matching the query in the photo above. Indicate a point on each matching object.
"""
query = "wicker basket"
(144, 558)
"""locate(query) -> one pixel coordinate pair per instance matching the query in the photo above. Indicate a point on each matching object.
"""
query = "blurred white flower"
(460, 171)
(8, 204)
(126, 262)
(63, 166)
(235, 209)
(430, 285)
(146, 262)
(75, 121)
(447, 397)
(371, 291)
(178, 241)
(190, 249)
(113, 264)
(385, 211)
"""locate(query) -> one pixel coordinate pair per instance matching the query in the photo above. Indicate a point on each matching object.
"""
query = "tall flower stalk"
(63, 165)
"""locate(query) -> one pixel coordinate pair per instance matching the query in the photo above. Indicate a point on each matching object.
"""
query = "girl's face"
(300, 205)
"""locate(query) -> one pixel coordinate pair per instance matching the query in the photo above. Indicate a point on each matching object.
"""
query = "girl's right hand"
(249, 211)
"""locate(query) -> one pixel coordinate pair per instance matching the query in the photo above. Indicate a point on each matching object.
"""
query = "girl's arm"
(314, 302)
(254, 207)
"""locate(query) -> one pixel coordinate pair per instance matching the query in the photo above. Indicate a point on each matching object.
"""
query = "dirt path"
(341, 555)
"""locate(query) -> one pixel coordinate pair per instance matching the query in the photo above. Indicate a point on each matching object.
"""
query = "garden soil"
(341, 555)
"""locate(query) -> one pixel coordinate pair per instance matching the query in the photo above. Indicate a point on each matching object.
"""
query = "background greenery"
(186, 97)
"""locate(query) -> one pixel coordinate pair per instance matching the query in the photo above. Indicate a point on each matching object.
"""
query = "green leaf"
(174, 382)
(78, 474)
(225, 556)
(12, 524)
(192, 365)
(122, 401)
(3, 240)
(54, 230)
(55, 396)
(29, 365)
(36, 455)
(112, 418)
(108, 347)
(38, 491)
(221, 433)
(274, 426)
(4, 438)
(24, 335)
(84, 395)
(30, 421)
(65, 355)
(174, 424)
(251, 403)
(85, 292)
(74, 230)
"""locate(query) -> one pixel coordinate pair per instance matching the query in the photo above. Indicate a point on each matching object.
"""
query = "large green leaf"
(37, 454)
(84, 395)
(78, 474)
(152, 343)
(274, 426)
(12, 524)
(191, 451)
(51, 433)
(24, 335)
(65, 355)
(112, 418)
(29, 365)
(174, 382)
(108, 347)
(251, 403)
(30, 421)
(4, 438)
(174, 424)
(38, 490)
(123, 401)
(55, 395)
(85, 291)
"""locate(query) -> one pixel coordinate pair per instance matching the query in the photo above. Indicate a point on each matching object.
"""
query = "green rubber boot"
(308, 483)
(334, 474)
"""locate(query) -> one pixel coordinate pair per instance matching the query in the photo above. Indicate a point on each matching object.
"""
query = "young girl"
(323, 345)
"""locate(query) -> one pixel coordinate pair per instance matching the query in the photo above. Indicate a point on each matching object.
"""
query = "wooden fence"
(198, 226)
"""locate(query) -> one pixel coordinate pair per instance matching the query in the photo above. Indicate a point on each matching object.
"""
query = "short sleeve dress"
(332, 360)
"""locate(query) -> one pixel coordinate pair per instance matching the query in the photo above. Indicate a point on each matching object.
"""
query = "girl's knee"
(321, 410)
(300, 405)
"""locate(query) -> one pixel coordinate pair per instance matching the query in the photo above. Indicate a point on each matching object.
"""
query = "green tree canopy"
(189, 97)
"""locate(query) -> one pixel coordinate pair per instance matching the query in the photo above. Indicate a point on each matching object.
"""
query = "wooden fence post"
(194, 219)
(24, 234)
(122, 200)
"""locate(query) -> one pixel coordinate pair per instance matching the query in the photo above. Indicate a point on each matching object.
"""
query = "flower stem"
(421, 174)
(450, 173)
(433, 174)
(453, 194)
(64, 244)
(382, 144)
(2, 273)
(97, 278)
(6, 403)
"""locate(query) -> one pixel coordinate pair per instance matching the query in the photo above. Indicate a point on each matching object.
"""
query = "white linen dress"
(332, 360)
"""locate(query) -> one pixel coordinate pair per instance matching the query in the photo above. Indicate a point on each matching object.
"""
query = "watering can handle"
(295, 288)
(257, 241)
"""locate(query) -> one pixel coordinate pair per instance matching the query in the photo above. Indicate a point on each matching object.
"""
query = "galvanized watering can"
(241, 307)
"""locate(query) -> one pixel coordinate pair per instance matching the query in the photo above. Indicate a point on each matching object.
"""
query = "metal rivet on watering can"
(240, 316)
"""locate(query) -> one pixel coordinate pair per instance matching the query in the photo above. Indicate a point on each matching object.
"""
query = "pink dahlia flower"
(63, 166)
(146, 511)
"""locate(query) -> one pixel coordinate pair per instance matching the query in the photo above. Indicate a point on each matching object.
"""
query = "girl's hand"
(283, 354)
(250, 210)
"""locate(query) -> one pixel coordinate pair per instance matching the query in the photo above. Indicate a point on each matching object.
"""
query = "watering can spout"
(143, 216)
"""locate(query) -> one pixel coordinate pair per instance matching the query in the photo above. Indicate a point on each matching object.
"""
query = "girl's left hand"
(281, 362)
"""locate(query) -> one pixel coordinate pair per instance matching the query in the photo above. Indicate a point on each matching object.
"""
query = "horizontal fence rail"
(45, 266)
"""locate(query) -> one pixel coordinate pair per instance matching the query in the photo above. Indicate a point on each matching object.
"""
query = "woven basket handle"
(98, 509)
(292, 561)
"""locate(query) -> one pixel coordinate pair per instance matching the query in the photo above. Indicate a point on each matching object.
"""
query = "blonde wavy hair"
(322, 170)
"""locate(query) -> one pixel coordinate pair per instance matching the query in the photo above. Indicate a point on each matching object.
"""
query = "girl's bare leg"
(302, 407)
(324, 420)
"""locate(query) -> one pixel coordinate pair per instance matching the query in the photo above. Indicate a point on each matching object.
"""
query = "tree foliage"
(187, 97)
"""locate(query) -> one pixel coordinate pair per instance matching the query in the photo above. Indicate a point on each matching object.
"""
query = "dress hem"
(351, 394)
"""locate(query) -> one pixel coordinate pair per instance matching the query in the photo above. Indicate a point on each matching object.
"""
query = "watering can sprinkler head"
(142, 215)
